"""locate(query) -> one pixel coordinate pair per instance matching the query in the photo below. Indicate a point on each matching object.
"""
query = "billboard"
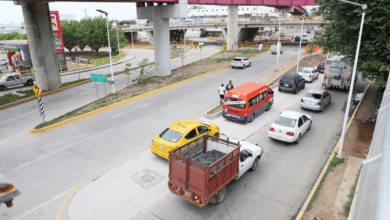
(58, 40)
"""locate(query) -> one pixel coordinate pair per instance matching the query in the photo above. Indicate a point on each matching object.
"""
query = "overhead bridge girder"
(247, 34)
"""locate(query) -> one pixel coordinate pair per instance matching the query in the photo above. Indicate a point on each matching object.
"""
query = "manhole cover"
(147, 178)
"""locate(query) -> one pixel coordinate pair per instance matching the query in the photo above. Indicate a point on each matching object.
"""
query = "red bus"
(247, 101)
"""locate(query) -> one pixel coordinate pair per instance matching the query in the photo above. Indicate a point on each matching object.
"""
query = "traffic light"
(7, 192)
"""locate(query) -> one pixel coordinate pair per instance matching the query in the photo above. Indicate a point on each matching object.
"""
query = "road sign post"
(99, 78)
(38, 92)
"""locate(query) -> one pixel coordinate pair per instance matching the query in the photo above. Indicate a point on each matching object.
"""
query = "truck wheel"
(221, 195)
(30, 83)
(254, 165)
(2, 88)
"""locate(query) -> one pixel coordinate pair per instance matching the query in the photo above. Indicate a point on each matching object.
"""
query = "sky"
(116, 11)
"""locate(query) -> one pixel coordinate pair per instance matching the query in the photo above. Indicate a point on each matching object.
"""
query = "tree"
(97, 37)
(342, 33)
(146, 72)
(68, 34)
(13, 36)
(114, 38)
(82, 33)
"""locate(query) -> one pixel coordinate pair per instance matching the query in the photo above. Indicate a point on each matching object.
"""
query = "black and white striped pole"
(38, 92)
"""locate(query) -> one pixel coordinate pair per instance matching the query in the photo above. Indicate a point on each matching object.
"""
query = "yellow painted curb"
(100, 67)
(335, 149)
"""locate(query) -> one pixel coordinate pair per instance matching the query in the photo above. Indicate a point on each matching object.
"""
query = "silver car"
(316, 99)
(309, 74)
(241, 62)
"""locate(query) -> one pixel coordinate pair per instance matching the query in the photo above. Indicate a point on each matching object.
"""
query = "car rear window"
(313, 95)
(287, 80)
(237, 59)
(171, 135)
(305, 71)
(321, 65)
(288, 122)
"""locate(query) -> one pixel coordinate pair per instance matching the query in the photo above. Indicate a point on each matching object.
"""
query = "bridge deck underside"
(212, 2)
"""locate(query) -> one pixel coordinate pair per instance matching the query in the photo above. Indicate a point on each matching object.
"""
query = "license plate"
(285, 84)
(161, 148)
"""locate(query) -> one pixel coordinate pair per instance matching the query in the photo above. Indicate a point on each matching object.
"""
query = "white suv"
(241, 62)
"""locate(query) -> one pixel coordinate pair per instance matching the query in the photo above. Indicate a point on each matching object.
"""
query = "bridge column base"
(41, 42)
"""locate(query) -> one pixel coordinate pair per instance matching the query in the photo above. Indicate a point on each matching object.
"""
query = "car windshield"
(313, 95)
(288, 122)
(237, 59)
(242, 106)
(305, 71)
(4, 78)
(171, 135)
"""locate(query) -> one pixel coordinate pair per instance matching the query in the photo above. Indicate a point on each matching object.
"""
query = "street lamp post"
(278, 46)
(132, 42)
(300, 44)
(109, 50)
(364, 7)
(119, 47)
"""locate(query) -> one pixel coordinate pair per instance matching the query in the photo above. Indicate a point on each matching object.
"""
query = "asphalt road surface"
(107, 152)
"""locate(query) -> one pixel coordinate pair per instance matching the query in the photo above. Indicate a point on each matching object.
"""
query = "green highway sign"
(99, 78)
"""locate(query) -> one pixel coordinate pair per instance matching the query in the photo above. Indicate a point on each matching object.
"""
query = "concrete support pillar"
(232, 27)
(162, 50)
(41, 42)
(284, 13)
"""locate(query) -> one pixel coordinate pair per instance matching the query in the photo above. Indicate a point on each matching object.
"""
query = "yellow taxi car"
(181, 133)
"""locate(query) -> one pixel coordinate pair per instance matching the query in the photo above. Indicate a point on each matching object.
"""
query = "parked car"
(297, 38)
(241, 62)
(3, 61)
(291, 83)
(79, 59)
(308, 31)
(309, 74)
(321, 67)
(10, 80)
(316, 99)
(290, 126)
(181, 133)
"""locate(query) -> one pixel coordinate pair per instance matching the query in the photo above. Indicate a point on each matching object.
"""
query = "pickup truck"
(200, 170)
(15, 79)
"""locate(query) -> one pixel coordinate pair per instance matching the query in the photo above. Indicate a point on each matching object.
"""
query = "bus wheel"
(268, 107)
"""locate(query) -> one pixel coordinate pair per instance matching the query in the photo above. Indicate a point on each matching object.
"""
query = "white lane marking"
(10, 138)
(18, 117)
(140, 106)
(45, 203)
(21, 165)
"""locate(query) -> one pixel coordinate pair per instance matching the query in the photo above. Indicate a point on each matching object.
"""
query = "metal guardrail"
(372, 197)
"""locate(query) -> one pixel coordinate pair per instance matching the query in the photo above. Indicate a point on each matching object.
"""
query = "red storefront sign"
(57, 32)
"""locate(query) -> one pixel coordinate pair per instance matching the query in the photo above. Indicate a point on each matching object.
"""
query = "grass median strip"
(347, 206)
(154, 84)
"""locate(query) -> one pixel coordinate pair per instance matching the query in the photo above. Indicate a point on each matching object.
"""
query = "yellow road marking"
(302, 211)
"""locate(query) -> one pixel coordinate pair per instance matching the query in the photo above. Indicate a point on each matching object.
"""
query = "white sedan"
(309, 74)
(241, 62)
(290, 126)
(250, 155)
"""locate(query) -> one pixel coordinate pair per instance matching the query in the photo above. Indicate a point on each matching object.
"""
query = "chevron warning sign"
(317, 48)
(41, 110)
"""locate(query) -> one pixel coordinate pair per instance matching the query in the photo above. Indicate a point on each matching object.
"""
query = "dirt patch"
(357, 144)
